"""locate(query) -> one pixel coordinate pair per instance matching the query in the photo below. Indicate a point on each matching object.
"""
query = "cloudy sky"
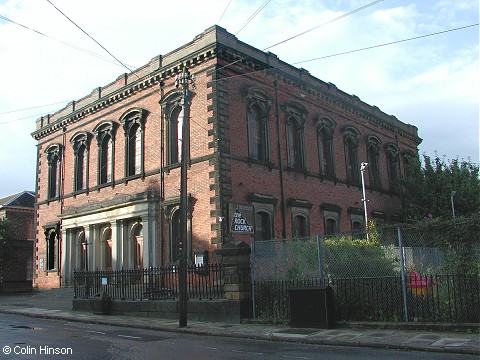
(431, 82)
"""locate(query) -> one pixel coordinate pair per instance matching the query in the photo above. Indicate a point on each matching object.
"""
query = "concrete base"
(226, 311)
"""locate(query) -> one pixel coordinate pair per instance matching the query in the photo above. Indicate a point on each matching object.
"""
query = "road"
(31, 338)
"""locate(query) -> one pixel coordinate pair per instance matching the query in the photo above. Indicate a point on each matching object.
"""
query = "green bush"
(347, 257)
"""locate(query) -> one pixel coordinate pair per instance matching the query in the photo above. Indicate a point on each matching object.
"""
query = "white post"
(363, 167)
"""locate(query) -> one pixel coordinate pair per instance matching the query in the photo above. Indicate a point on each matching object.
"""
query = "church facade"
(273, 152)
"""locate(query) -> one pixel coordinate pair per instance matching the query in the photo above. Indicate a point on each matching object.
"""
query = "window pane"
(175, 135)
(299, 226)
(263, 227)
(330, 226)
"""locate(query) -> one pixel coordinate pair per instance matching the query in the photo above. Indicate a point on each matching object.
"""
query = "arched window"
(107, 249)
(299, 226)
(263, 226)
(51, 259)
(105, 133)
(331, 218)
(410, 163)
(172, 108)
(133, 126)
(331, 226)
(350, 138)
(325, 129)
(54, 153)
(295, 120)
(373, 154)
(294, 141)
(82, 257)
(106, 160)
(175, 125)
(137, 243)
(258, 108)
(392, 166)
(357, 229)
(80, 143)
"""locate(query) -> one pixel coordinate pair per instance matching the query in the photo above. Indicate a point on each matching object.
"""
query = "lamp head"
(363, 166)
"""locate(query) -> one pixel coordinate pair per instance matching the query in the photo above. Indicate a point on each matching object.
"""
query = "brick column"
(237, 276)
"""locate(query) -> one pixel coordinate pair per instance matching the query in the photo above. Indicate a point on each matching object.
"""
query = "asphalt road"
(31, 338)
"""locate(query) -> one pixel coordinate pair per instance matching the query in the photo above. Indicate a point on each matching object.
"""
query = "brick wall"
(219, 171)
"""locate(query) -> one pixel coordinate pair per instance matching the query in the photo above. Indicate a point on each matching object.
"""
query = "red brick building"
(261, 133)
(19, 211)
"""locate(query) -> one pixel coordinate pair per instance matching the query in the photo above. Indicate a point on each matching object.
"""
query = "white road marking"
(206, 347)
(247, 352)
(130, 337)
(95, 332)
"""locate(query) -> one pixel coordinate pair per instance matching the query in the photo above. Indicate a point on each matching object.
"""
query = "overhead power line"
(326, 23)
(253, 16)
(385, 44)
(224, 11)
(73, 22)
(60, 41)
(296, 63)
(307, 31)
(33, 107)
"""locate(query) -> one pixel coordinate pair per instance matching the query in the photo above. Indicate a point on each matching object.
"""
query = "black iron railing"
(429, 298)
(154, 283)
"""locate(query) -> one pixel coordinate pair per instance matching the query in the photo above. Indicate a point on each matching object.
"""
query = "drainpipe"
(162, 179)
(280, 164)
(62, 196)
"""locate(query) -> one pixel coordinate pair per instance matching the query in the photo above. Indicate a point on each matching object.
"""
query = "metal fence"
(155, 283)
(393, 275)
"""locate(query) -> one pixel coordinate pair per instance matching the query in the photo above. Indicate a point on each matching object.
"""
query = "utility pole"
(184, 79)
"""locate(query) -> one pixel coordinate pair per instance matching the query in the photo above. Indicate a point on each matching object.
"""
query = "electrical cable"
(327, 23)
(307, 31)
(60, 41)
(385, 44)
(224, 11)
(253, 16)
(298, 62)
(73, 22)
(295, 63)
(33, 107)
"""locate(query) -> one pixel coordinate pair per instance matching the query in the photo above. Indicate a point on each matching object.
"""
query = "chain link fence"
(396, 274)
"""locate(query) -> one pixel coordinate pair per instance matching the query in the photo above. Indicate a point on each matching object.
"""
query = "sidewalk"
(56, 304)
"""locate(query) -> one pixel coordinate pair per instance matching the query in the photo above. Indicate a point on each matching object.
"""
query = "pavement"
(461, 339)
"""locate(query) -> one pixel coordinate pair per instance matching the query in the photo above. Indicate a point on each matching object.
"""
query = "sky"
(431, 82)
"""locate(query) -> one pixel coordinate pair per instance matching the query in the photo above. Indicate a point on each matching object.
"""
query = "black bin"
(311, 307)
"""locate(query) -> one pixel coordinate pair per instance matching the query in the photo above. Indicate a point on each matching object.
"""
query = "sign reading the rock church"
(241, 219)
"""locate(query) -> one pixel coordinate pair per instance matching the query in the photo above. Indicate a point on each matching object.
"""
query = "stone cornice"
(216, 42)
(125, 92)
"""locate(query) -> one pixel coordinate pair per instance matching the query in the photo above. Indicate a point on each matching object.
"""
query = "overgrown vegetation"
(428, 189)
(348, 257)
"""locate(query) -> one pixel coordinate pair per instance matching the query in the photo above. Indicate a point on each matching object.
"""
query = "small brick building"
(19, 210)
(272, 150)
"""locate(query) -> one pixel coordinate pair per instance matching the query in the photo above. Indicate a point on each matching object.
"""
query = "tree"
(427, 190)
(5, 246)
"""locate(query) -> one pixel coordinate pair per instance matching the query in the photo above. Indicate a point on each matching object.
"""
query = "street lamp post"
(453, 206)
(184, 79)
(363, 167)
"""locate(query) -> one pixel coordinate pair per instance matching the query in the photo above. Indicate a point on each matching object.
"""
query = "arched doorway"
(107, 248)
(137, 244)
